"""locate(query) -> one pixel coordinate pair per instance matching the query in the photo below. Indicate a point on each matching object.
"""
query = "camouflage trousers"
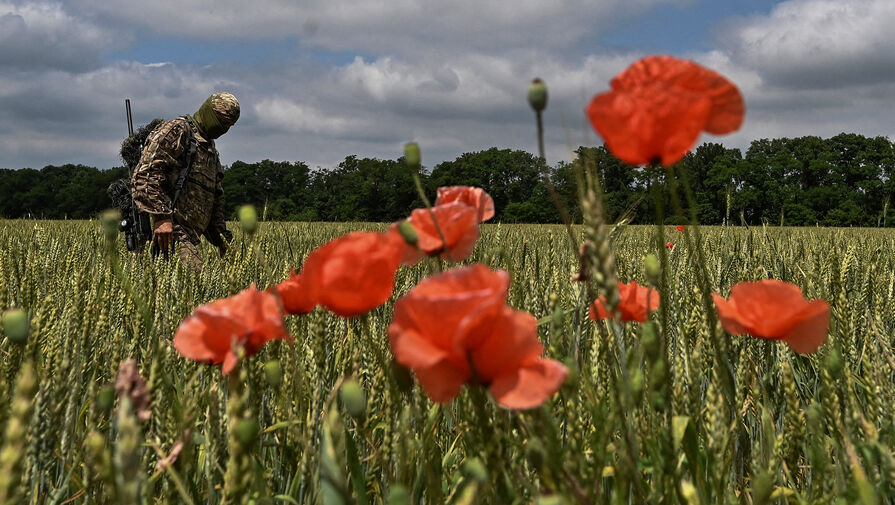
(188, 252)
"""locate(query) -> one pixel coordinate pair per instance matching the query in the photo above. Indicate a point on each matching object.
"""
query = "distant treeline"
(846, 180)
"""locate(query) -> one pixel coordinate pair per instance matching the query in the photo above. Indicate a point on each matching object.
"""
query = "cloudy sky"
(330, 78)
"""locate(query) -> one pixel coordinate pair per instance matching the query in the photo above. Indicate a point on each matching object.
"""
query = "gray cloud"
(44, 35)
(451, 77)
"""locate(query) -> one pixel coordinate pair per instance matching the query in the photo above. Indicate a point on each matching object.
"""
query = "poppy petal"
(472, 196)
(530, 385)
(727, 313)
(295, 295)
(189, 341)
(442, 382)
(808, 335)
(512, 339)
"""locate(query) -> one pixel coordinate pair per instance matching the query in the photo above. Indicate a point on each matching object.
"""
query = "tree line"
(846, 180)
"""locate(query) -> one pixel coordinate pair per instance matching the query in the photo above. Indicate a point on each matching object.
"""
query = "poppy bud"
(248, 219)
(105, 398)
(110, 220)
(247, 431)
(537, 95)
(16, 325)
(653, 268)
(353, 398)
(650, 341)
(273, 372)
(636, 382)
(412, 155)
(475, 469)
(408, 232)
(834, 362)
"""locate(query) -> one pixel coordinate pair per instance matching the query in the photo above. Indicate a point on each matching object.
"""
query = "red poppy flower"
(680, 227)
(295, 296)
(251, 318)
(659, 105)
(636, 301)
(669, 245)
(458, 223)
(455, 328)
(776, 310)
(352, 274)
(472, 196)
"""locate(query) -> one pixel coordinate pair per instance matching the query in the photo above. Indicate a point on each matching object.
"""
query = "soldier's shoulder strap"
(189, 157)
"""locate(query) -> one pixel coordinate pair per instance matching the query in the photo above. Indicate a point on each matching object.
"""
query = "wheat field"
(627, 426)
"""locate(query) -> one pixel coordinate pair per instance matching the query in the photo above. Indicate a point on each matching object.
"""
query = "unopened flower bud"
(650, 341)
(573, 375)
(653, 268)
(105, 398)
(110, 220)
(537, 95)
(247, 431)
(412, 155)
(408, 232)
(16, 325)
(273, 372)
(834, 362)
(636, 382)
(353, 398)
(248, 218)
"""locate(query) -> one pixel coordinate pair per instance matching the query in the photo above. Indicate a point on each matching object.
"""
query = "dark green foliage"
(846, 180)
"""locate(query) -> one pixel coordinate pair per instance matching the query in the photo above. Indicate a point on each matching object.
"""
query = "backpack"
(135, 223)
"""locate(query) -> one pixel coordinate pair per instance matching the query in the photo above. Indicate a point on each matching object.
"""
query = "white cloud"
(819, 43)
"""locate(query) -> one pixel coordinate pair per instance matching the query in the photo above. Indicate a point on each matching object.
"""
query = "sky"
(320, 80)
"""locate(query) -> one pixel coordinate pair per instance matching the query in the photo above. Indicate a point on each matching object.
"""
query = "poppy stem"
(422, 193)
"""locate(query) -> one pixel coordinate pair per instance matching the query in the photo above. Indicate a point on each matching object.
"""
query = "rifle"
(134, 223)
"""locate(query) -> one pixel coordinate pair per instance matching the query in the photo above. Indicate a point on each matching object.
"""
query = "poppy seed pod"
(412, 155)
(247, 431)
(408, 232)
(273, 372)
(16, 325)
(353, 398)
(110, 220)
(248, 218)
(653, 267)
(105, 398)
(537, 95)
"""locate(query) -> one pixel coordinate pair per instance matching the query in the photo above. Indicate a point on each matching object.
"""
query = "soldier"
(185, 214)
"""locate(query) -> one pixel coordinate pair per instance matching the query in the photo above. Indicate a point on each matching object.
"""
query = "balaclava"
(219, 112)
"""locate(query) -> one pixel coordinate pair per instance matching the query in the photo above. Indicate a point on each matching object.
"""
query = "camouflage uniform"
(198, 210)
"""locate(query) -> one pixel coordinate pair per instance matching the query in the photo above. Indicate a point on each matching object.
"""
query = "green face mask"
(208, 121)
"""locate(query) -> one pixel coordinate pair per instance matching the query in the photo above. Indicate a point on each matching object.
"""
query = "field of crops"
(789, 428)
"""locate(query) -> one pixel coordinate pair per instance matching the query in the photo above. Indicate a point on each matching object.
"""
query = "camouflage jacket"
(199, 207)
